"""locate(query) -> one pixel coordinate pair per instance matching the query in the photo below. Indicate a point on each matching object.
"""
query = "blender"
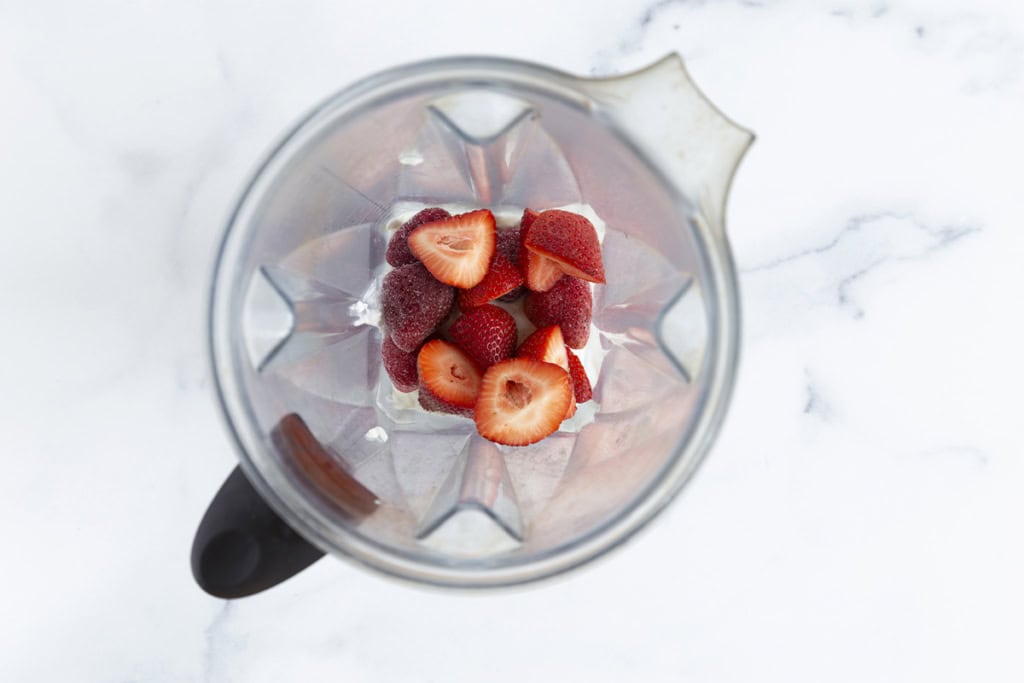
(333, 460)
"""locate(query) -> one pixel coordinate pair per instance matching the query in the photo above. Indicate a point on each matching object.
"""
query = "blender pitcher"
(333, 459)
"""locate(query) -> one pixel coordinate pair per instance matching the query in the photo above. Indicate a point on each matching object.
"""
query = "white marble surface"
(860, 517)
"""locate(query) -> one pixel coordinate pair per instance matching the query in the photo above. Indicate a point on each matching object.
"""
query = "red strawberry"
(569, 240)
(508, 243)
(514, 295)
(547, 344)
(580, 382)
(398, 253)
(502, 277)
(529, 216)
(449, 380)
(539, 273)
(521, 401)
(568, 305)
(400, 366)
(413, 304)
(456, 250)
(486, 334)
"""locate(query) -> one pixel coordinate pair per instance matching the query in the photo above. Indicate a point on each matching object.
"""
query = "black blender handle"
(242, 547)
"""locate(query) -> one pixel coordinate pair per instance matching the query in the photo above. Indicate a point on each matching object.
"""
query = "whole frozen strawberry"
(398, 253)
(567, 304)
(508, 243)
(487, 334)
(400, 366)
(413, 305)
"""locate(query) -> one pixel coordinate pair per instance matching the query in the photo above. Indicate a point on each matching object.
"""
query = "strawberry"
(514, 295)
(413, 304)
(539, 273)
(398, 253)
(568, 305)
(456, 250)
(570, 241)
(529, 216)
(449, 381)
(487, 334)
(502, 277)
(400, 366)
(547, 344)
(580, 382)
(508, 243)
(521, 401)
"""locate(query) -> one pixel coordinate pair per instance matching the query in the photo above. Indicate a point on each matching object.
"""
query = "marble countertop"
(859, 518)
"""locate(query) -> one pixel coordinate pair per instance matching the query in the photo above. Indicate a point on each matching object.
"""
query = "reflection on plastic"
(296, 442)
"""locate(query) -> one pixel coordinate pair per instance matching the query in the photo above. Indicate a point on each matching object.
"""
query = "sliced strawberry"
(398, 253)
(539, 273)
(569, 240)
(502, 277)
(581, 388)
(413, 304)
(456, 250)
(487, 334)
(400, 366)
(529, 215)
(568, 304)
(547, 344)
(449, 381)
(521, 401)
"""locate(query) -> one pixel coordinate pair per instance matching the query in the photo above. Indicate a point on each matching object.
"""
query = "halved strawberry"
(456, 250)
(581, 388)
(449, 380)
(548, 345)
(521, 401)
(569, 240)
(568, 304)
(398, 253)
(529, 216)
(539, 273)
(502, 277)
(487, 334)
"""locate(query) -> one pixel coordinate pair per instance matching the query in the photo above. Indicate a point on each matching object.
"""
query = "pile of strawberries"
(515, 396)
